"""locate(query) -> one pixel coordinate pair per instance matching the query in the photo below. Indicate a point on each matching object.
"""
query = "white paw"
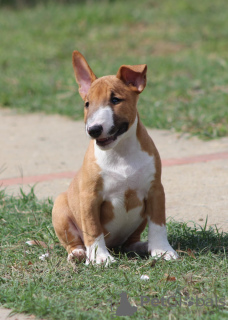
(158, 244)
(97, 253)
(105, 259)
(76, 254)
(168, 254)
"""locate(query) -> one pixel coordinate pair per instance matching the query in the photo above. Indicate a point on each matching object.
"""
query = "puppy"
(118, 190)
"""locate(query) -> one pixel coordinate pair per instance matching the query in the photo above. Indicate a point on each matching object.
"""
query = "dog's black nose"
(95, 131)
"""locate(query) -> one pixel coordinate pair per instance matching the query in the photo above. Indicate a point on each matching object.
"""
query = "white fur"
(124, 167)
(104, 117)
(158, 244)
(123, 225)
(98, 253)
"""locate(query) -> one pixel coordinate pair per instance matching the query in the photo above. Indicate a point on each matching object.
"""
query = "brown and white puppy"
(118, 189)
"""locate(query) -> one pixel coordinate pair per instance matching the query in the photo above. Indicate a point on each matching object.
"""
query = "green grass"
(52, 289)
(184, 44)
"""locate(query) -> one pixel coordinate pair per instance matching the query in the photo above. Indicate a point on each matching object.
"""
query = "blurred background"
(184, 44)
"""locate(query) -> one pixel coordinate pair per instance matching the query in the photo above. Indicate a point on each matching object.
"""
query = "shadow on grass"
(197, 238)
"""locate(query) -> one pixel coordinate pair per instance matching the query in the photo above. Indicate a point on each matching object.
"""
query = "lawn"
(184, 44)
(193, 287)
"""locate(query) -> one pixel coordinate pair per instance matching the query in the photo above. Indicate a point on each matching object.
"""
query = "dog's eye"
(87, 104)
(115, 100)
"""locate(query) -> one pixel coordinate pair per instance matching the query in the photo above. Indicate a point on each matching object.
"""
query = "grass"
(184, 44)
(52, 289)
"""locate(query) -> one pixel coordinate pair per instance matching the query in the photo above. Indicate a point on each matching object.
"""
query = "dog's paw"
(97, 253)
(105, 259)
(138, 247)
(76, 255)
(158, 244)
(167, 254)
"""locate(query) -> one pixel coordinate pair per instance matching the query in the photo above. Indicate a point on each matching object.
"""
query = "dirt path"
(5, 314)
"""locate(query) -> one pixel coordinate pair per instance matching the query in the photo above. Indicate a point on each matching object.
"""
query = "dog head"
(110, 101)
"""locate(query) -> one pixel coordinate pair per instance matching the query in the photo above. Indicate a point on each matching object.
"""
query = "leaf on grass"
(169, 278)
(190, 253)
(181, 251)
(124, 267)
(37, 243)
(41, 244)
(30, 263)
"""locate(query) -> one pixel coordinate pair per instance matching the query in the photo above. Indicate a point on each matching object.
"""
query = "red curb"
(35, 179)
(70, 174)
(195, 159)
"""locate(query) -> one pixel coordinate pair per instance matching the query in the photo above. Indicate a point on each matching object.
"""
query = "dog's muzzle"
(113, 135)
(95, 131)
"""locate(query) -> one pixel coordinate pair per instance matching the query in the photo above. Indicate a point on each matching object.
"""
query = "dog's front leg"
(96, 250)
(98, 253)
(158, 244)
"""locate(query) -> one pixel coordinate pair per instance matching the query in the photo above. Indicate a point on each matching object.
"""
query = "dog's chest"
(127, 176)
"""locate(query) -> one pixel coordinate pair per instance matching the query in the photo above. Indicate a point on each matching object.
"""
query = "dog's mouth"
(102, 142)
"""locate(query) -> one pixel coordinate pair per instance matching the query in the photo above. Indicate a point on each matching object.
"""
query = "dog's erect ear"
(134, 76)
(83, 74)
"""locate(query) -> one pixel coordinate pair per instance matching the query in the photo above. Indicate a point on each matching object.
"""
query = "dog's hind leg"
(66, 229)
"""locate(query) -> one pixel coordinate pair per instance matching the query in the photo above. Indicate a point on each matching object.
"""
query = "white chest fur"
(125, 167)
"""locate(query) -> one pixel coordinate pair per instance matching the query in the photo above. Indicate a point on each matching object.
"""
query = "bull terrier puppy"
(118, 190)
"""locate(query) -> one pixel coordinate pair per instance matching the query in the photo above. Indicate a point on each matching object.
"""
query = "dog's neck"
(127, 153)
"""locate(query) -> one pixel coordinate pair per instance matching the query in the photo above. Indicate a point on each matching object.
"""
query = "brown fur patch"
(148, 146)
(131, 200)
(155, 204)
(106, 215)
